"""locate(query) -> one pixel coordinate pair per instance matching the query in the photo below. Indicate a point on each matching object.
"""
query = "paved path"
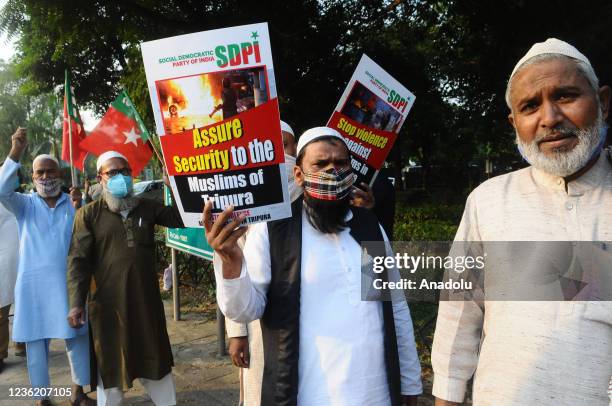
(201, 376)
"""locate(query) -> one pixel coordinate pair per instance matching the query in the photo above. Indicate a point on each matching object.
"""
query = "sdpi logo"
(238, 54)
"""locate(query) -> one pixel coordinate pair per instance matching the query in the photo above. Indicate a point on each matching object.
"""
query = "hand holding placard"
(223, 236)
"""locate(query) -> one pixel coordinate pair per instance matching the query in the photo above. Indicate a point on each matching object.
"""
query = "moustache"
(557, 133)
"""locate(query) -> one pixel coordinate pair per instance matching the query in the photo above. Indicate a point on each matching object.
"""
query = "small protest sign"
(369, 116)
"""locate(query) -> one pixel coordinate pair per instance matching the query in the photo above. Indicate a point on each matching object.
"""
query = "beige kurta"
(116, 257)
(530, 353)
(253, 375)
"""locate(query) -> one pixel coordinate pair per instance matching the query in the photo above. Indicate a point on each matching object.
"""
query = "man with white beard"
(538, 352)
(111, 267)
(41, 301)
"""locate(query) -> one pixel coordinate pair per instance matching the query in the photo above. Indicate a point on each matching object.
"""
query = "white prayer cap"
(43, 157)
(287, 128)
(315, 133)
(106, 156)
(551, 46)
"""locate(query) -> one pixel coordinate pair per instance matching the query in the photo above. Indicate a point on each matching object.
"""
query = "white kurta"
(341, 359)
(532, 353)
(253, 375)
(9, 256)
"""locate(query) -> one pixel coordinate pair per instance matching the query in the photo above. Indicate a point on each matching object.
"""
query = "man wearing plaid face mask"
(302, 277)
(327, 179)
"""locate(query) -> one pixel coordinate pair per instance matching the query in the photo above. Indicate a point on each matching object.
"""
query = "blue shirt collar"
(63, 197)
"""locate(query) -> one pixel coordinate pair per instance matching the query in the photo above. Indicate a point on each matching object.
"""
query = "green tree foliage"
(12, 106)
(454, 55)
(41, 114)
(478, 43)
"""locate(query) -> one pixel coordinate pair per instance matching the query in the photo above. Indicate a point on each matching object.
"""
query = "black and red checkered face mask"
(332, 184)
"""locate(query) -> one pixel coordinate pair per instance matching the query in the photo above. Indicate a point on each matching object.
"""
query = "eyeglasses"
(115, 172)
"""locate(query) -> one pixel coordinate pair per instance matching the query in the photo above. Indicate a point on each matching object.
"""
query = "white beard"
(565, 163)
(117, 204)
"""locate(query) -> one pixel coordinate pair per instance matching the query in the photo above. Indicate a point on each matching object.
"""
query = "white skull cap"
(315, 133)
(551, 46)
(43, 157)
(108, 155)
(287, 128)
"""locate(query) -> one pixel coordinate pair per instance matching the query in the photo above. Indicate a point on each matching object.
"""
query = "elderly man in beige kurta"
(546, 352)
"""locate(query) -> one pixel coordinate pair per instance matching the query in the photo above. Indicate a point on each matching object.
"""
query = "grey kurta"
(126, 314)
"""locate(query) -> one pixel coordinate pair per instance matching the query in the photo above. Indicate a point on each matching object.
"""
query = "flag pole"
(72, 173)
(157, 154)
(67, 101)
(153, 147)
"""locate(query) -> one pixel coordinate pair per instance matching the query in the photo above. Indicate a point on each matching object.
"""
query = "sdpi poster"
(369, 116)
(215, 105)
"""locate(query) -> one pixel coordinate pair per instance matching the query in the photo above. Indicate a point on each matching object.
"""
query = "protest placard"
(369, 116)
(214, 100)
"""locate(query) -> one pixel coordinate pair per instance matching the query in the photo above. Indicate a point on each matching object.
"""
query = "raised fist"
(20, 142)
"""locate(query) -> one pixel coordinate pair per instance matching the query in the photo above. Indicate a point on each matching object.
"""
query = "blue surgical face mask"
(119, 185)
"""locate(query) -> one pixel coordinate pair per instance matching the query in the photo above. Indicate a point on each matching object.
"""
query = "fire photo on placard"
(368, 109)
(200, 100)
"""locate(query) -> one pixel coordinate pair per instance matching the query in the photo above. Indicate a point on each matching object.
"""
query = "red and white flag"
(72, 124)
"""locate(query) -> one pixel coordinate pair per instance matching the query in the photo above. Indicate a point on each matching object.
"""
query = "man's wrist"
(232, 266)
(15, 157)
(232, 269)
(76, 304)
